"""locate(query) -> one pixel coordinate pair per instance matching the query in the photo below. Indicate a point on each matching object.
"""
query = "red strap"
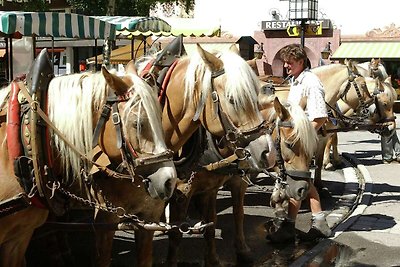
(14, 123)
(163, 90)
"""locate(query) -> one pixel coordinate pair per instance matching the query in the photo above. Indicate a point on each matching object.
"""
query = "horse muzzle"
(261, 153)
(161, 183)
(297, 189)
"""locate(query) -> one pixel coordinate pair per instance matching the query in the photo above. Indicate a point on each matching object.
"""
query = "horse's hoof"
(280, 231)
(245, 258)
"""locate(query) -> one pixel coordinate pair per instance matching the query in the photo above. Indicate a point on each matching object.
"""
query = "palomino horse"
(374, 69)
(355, 94)
(136, 190)
(220, 88)
(219, 93)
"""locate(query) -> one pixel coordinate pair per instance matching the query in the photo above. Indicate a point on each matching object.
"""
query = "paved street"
(371, 235)
(364, 218)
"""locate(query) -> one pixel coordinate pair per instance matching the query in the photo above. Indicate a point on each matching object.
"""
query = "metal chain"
(119, 211)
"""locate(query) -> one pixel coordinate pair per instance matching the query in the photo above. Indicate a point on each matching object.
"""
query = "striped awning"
(210, 47)
(135, 26)
(194, 27)
(55, 24)
(355, 50)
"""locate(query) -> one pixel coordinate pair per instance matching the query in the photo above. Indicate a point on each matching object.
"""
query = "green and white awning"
(135, 26)
(194, 27)
(365, 50)
(55, 24)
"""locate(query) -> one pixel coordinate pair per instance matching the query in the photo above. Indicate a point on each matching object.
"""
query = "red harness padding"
(14, 123)
(161, 94)
(13, 133)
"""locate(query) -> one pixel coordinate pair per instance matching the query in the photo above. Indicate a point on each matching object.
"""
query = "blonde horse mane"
(241, 82)
(73, 100)
(303, 131)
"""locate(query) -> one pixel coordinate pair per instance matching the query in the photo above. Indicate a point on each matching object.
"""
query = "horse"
(353, 94)
(128, 174)
(236, 94)
(375, 69)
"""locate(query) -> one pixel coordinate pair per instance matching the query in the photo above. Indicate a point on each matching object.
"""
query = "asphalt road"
(57, 248)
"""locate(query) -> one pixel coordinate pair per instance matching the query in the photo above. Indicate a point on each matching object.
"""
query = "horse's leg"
(104, 240)
(337, 162)
(327, 154)
(178, 206)
(12, 252)
(319, 155)
(144, 247)
(238, 190)
(208, 203)
(15, 234)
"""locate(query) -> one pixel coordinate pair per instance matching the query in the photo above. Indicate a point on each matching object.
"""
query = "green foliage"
(122, 7)
(35, 5)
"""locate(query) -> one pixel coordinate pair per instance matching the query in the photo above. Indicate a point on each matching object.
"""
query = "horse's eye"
(289, 145)
(231, 100)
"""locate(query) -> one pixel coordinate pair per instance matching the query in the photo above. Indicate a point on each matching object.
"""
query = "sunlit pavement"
(371, 233)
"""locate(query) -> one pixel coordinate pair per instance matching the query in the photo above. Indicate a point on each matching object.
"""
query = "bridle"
(283, 172)
(131, 159)
(236, 139)
(362, 108)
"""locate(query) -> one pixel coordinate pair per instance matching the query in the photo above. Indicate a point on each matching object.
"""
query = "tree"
(35, 5)
(121, 7)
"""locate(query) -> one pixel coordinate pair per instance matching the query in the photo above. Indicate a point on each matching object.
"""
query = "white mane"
(303, 131)
(241, 83)
(74, 99)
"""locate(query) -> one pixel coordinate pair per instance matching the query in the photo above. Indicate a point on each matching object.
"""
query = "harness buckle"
(214, 96)
(116, 118)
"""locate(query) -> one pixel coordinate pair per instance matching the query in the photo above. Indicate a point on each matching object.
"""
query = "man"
(304, 83)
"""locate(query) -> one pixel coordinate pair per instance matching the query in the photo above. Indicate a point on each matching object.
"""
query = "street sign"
(314, 29)
(293, 30)
(310, 30)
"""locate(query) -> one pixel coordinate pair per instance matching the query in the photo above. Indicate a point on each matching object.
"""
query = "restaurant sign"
(274, 25)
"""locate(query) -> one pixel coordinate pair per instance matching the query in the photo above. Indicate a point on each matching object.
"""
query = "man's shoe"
(280, 231)
(387, 161)
(322, 226)
(319, 229)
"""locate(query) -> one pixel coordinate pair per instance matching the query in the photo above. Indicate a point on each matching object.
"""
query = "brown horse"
(219, 93)
(131, 139)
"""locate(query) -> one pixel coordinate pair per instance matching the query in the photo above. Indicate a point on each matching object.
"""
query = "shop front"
(277, 33)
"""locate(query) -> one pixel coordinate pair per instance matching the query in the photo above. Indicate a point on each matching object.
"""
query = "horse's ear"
(116, 83)
(388, 80)
(211, 60)
(131, 68)
(233, 48)
(282, 112)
